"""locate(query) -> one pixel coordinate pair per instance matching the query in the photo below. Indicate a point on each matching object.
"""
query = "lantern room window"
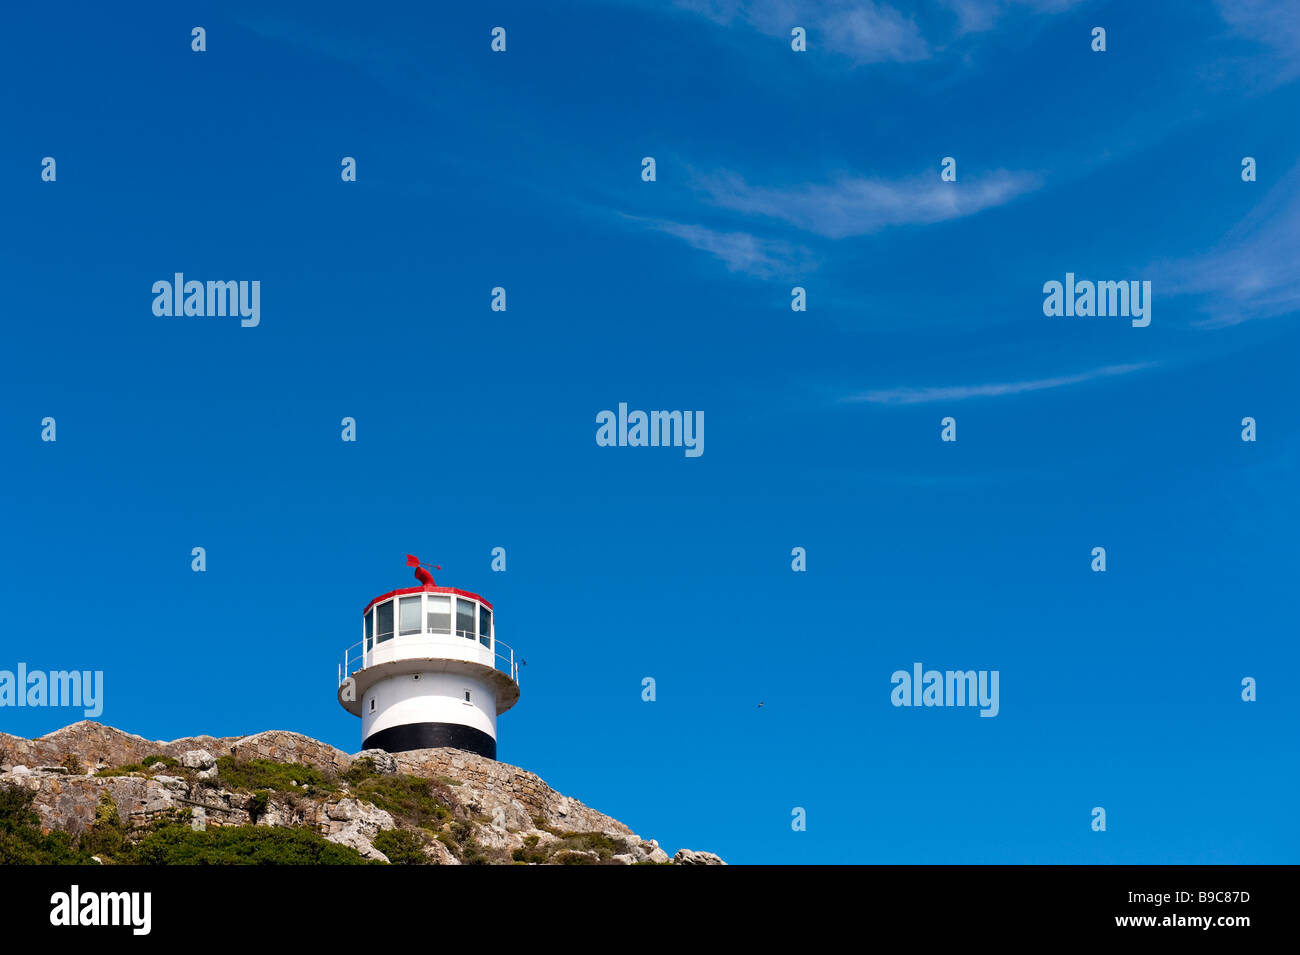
(415, 614)
(465, 618)
(409, 615)
(438, 613)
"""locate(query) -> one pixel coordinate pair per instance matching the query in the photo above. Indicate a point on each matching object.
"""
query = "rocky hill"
(109, 791)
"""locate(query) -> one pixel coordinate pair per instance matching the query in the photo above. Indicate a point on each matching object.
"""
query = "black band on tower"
(399, 739)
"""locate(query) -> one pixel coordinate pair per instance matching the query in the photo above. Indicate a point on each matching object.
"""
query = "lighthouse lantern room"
(429, 670)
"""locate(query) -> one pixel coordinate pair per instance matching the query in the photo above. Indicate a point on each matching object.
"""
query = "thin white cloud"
(1272, 23)
(919, 396)
(738, 251)
(1252, 271)
(867, 31)
(978, 16)
(852, 206)
(872, 33)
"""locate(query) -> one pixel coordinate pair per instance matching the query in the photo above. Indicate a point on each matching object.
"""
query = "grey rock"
(691, 857)
(198, 759)
(356, 824)
(649, 851)
(344, 810)
(439, 854)
(355, 840)
(384, 762)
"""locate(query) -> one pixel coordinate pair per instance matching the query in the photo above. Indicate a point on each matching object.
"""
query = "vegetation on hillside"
(176, 844)
(573, 848)
(21, 841)
(424, 810)
(168, 841)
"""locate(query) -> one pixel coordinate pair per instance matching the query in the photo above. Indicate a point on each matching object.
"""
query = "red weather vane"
(421, 572)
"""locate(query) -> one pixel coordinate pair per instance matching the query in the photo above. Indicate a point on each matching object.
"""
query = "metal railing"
(359, 656)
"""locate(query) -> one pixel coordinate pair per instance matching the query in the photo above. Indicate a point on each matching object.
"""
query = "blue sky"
(476, 428)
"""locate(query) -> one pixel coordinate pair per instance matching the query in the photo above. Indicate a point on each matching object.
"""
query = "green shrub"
(529, 852)
(21, 840)
(597, 842)
(470, 852)
(363, 768)
(258, 804)
(570, 857)
(105, 838)
(241, 845)
(253, 774)
(29, 847)
(408, 799)
(571, 842)
(72, 764)
(402, 846)
(148, 766)
(126, 770)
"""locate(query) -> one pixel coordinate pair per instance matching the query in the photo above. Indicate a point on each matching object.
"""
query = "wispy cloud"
(738, 251)
(867, 31)
(1252, 272)
(977, 16)
(920, 396)
(1272, 23)
(852, 206)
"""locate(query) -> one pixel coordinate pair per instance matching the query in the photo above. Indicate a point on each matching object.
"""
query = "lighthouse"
(429, 670)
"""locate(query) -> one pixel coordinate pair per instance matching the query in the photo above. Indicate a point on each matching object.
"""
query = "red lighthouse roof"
(427, 585)
(427, 590)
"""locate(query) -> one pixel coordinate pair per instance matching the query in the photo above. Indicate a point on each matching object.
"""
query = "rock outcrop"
(690, 857)
(485, 810)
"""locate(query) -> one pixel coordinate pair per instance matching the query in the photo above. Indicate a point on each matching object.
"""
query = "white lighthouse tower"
(429, 670)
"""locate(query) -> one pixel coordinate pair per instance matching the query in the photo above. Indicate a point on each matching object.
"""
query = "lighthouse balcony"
(429, 646)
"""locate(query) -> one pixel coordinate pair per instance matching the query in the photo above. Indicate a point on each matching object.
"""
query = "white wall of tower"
(433, 698)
